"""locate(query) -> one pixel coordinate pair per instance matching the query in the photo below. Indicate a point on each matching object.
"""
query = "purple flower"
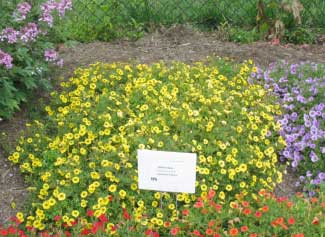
(321, 176)
(313, 156)
(29, 32)
(21, 11)
(50, 55)
(322, 150)
(5, 59)
(63, 6)
(47, 9)
(293, 69)
(9, 34)
(60, 62)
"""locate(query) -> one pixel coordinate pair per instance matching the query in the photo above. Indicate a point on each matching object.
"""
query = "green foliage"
(103, 20)
(300, 35)
(241, 35)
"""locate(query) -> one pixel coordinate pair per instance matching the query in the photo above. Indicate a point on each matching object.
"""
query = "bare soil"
(178, 43)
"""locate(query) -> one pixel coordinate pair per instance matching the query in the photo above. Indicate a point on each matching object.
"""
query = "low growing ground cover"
(80, 161)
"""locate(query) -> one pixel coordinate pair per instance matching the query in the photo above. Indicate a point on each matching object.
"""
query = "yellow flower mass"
(85, 156)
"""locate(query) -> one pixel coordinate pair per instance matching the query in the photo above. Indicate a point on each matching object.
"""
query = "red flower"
(126, 215)
(95, 228)
(167, 224)
(57, 218)
(258, 214)
(185, 212)
(85, 232)
(244, 228)
(198, 204)
(289, 204)
(245, 204)
(299, 195)
(45, 234)
(11, 230)
(148, 232)
(174, 231)
(216, 235)
(233, 232)
(196, 232)
(298, 235)
(253, 235)
(209, 231)
(218, 207)
(204, 211)
(155, 234)
(247, 211)
(3, 232)
(315, 221)
(280, 221)
(323, 205)
(265, 208)
(90, 213)
(211, 194)
(211, 223)
(314, 200)
(291, 220)
(67, 234)
(103, 218)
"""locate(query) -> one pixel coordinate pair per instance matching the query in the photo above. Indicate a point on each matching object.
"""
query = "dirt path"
(178, 43)
(184, 44)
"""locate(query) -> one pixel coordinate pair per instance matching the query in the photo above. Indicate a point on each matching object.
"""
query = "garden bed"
(177, 43)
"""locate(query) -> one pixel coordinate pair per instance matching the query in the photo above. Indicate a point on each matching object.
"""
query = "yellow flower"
(75, 180)
(112, 188)
(75, 213)
(61, 196)
(228, 187)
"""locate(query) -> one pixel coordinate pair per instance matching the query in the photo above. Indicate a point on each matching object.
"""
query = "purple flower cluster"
(5, 59)
(301, 91)
(22, 11)
(10, 35)
(29, 32)
(51, 5)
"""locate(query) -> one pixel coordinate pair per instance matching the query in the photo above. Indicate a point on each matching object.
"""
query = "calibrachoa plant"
(25, 50)
(301, 90)
(84, 157)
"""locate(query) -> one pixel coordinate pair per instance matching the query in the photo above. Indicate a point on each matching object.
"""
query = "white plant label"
(167, 171)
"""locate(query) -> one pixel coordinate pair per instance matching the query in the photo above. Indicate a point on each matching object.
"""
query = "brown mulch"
(180, 43)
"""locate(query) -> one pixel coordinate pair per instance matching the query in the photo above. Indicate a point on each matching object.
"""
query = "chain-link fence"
(239, 12)
(108, 19)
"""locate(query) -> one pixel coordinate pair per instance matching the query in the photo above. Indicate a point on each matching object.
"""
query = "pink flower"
(50, 55)
(5, 59)
(29, 32)
(21, 11)
(9, 34)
